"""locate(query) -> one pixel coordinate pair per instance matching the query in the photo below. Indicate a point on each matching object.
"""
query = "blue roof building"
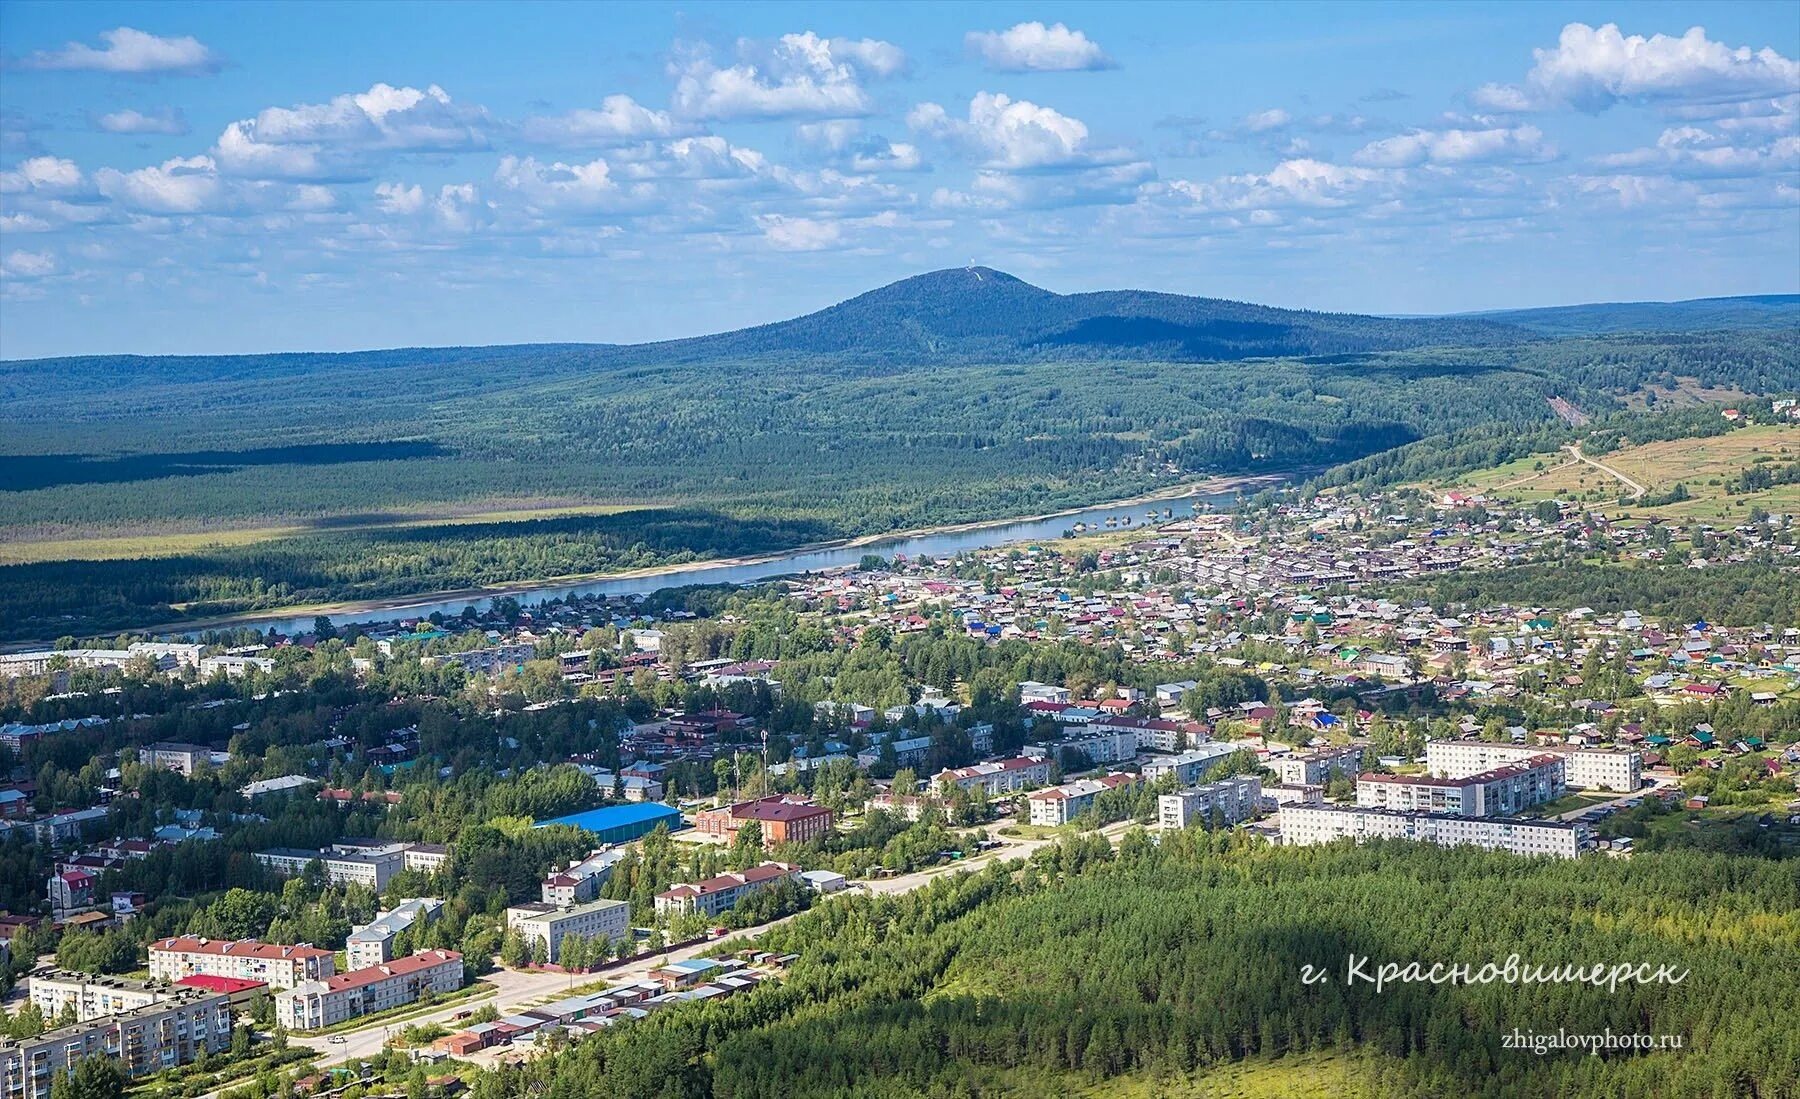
(622, 823)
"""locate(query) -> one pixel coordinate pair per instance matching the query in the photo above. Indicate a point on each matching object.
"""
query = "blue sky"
(248, 177)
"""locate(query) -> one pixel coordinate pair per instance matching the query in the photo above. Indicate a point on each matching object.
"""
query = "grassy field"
(1703, 465)
(20, 550)
(1296, 1076)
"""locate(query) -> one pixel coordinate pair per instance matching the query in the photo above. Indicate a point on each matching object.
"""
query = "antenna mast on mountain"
(974, 270)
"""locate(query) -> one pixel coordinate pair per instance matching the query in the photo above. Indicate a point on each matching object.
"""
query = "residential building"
(1188, 766)
(1583, 768)
(783, 818)
(1302, 825)
(1107, 745)
(581, 882)
(373, 870)
(998, 777)
(246, 959)
(311, 1005)
(1061, 804)
(1228, 801)
(171, 756)
(70, 891)
(1501, 791)
(180, 1030)
(1316, 768)
(93, 997)
(716, 895)
(539, 922)
(427, 858)
(373, 943)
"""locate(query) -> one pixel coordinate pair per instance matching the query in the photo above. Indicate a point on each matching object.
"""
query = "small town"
(397, 847)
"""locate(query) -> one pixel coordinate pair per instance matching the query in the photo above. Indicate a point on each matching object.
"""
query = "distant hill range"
(977, 313)
(1694, 315)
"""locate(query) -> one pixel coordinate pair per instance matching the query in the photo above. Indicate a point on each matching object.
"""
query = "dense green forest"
(1163, 959)
(101, 596)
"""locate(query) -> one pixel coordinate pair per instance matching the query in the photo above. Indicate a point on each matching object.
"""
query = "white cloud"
(895, 157)
(23, 223)
(1033, 47)
(576, 187)
(41, 174)
(177, 186)
(1014, 134)
(1523, 144)
(618, 120)
(130, 51)
(1292, 183)
(1691, 152)
(1591, 69)
(20, 264)
(164, 120)
(1263, 121)
(334, 140)
(800, 76)
(797, 234)
(457, 207)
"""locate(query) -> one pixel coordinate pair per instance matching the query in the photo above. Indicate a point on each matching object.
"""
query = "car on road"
(336, 1040)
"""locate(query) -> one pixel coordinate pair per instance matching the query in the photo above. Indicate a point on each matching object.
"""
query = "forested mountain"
(977, 313)
(1778, 311)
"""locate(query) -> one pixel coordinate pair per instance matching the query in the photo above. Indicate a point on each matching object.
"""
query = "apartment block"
(245, 959)
(1583, 768)
(1231, 799)
(311, 1005)
(582, 881)
(177, 1031)
(1061, 804)
(93, 997)
(1188, 766)
(1316, 768)
(1500, 791)
(1108, 745)
(716, 895)
(1302, 825)
(373, 943)
(998, 777)
(373, 869)
(550, 925)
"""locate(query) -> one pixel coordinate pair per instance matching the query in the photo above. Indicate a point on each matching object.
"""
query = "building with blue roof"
(622, 823)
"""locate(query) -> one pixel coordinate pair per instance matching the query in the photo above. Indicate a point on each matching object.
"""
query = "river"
(935, 543)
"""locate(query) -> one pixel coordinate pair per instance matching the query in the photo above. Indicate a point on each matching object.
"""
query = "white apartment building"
(1303, 825)
(177, 1031)
(92, 997)
(1031, 691)
(246, 959)
(1188, 766)
(1233, 799)
(311, 1005)
(427, 858)
(998, 777)
(1061, 804)
(538, 922)
(1106, 745)
(370, 869)
(1316, 768)
(1500, 791)
(1583, 768)
(373, 943)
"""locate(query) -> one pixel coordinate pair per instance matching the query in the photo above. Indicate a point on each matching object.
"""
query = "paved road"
(517, 989)
(1657, 783)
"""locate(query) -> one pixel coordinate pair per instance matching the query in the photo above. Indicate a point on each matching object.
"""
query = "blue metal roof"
(613, 816)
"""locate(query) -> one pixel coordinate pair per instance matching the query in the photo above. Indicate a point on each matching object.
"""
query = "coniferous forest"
(1160, 960)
